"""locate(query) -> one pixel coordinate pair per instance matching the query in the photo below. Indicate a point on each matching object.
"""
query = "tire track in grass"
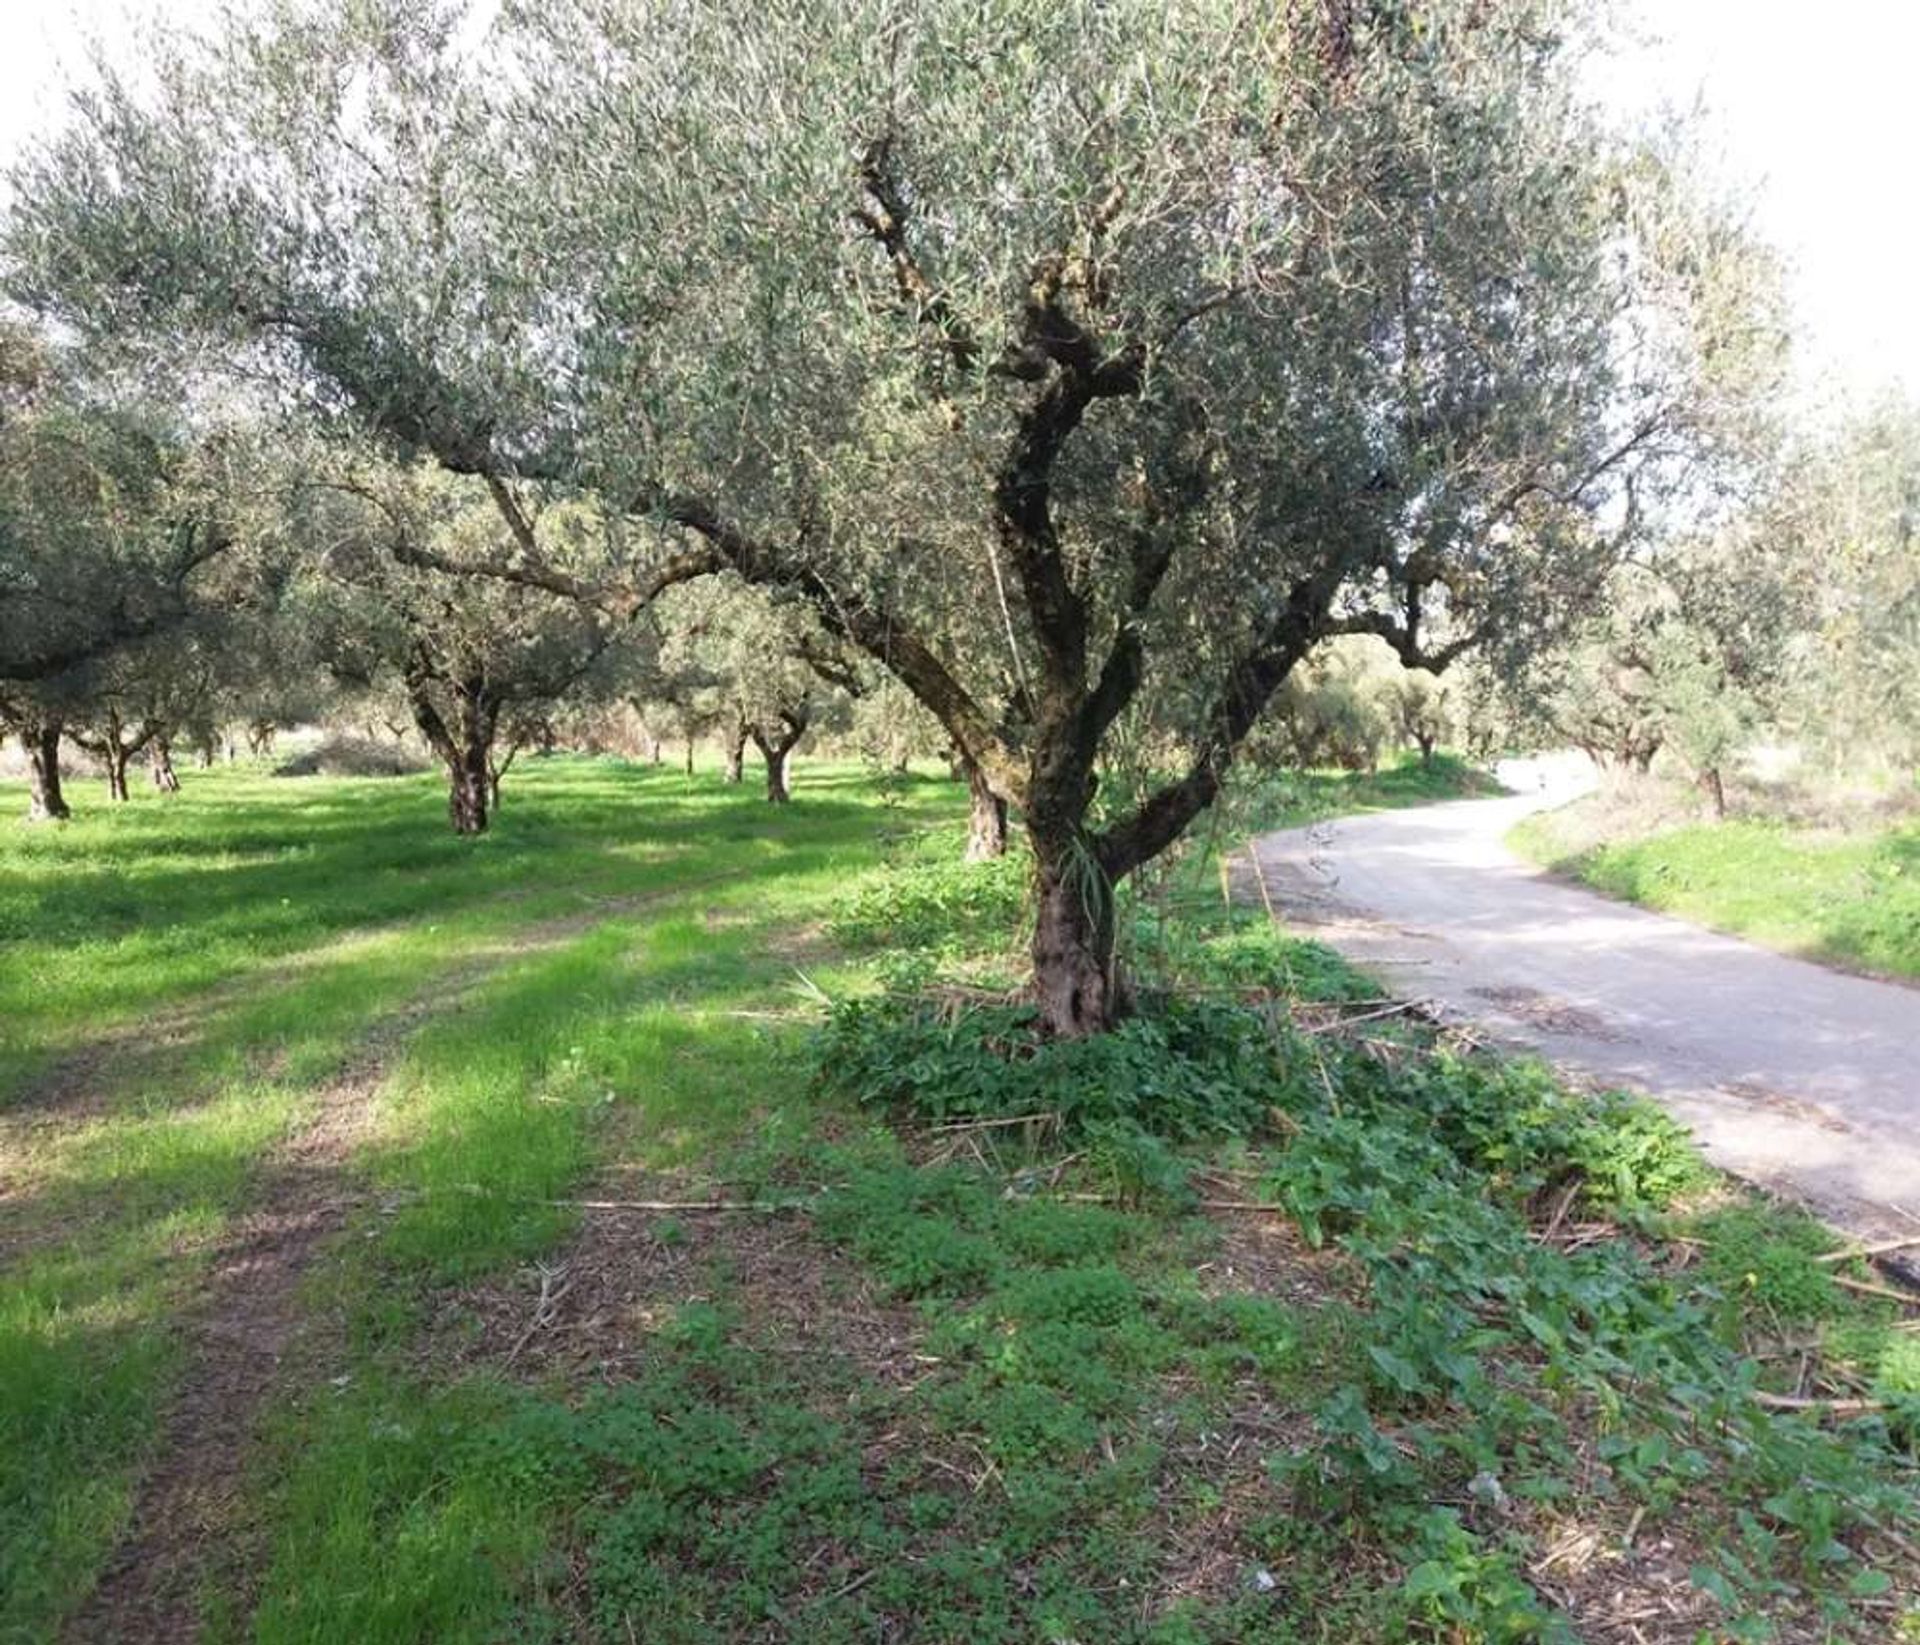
(246, 1332)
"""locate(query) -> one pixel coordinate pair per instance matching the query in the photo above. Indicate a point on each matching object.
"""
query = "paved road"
(1790, 1075)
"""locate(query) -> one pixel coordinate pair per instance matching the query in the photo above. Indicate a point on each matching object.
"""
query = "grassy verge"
(1849, 899)
(992, 1354)
(1293, 799)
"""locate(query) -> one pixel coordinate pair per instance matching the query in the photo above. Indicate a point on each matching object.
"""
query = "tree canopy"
(1080, 363)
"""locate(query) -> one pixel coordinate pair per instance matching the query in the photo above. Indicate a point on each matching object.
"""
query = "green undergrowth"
(991, 1364)
(1496, 1379)
(1293, 799)
(492, 1094)
(1850, 898)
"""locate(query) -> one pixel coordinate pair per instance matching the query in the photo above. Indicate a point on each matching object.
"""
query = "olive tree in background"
(757, 669)
(117, 562)
(1122, 351)
(474, 658)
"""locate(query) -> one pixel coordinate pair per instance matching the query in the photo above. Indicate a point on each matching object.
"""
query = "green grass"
(1293, 799)
(1848, 899)
(338, 903)
(943, 1399)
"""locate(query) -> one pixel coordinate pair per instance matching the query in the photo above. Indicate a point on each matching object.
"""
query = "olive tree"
(1072, 360)
(474, 659)
(758, 669)
(1845, 524)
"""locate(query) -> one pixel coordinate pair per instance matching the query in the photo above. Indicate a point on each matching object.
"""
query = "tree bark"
(986, 817)
(736, 753)
(464, 747)
(1716, 791)
(689, 756)
(775, 752)
(776, 745)
(116, 758)
(1076, 978)
(41, 744)
(467, 790)
(160, 760)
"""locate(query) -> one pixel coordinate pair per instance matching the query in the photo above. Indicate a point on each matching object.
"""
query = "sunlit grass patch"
(1852, 898)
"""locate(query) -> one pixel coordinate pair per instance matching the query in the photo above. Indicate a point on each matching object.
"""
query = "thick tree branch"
(884, 214)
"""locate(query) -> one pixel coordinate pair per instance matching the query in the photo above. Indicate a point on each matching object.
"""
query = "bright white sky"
(1815, 107)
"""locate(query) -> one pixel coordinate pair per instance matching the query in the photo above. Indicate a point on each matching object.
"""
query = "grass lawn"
(689, 1243)
(1850, 899)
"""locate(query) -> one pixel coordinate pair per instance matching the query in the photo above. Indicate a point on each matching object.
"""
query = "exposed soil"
(239, 1332)
(246, 1331)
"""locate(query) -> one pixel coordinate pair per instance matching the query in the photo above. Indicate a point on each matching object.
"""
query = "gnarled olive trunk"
(469, 785)
(775, 755)
(160, 762)
(41, 744)
(776, 745)
(1076, 977)
(986, 818)
(462, 738)
(736, 753)
(117, 758)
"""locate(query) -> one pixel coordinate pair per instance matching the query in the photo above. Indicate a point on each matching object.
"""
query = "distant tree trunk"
(260, 735)
(775, 746)
(41, 743)
(160, 759)
(117, 757)
(496, 769)
(986, 817)
(689, 756)
(736, 753)
(653, 749)
(776, 757)
(463, 740)
(468, 789)
(1716, 791)
(1426, 749)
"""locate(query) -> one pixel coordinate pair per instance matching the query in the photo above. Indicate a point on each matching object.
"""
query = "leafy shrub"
(344, 756)
(1249, 952)
(1194, 1068)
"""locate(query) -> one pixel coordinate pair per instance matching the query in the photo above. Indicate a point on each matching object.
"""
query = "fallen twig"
(1047, 1118)
(1826, 1407)
(554, 1285)
(1877, 1250)
(1392, 1010)
(1867, 1289)
(679, 1205)
(1560, 1211)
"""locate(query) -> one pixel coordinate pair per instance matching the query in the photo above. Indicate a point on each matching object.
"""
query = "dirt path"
(1789, 1074)
(239, 1333)
(247, 1333)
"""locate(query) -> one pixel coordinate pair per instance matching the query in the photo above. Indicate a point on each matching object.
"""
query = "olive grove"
(1083, 365)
